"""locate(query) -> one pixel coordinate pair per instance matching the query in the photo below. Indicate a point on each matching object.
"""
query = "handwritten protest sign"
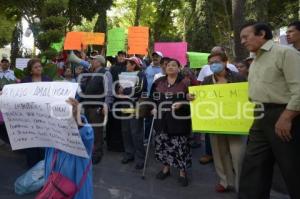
(37, 115)
(73, 41)
(128, 79)
(221, 109)
(21, 63)
(176, 50)
(197, 60)
(115, 41)
(91, 38)
(138, 39)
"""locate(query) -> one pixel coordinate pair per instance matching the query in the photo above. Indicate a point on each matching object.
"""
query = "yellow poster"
(221, 109)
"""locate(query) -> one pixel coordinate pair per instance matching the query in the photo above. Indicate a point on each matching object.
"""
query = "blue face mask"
(216, 68)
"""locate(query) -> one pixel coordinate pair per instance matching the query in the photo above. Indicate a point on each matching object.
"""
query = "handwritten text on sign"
(222, 108)
(37, 115)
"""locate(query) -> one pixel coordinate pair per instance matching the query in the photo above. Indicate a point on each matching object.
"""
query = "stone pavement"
(112, 180)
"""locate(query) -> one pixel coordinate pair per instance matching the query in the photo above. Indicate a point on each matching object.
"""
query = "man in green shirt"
(274, 82)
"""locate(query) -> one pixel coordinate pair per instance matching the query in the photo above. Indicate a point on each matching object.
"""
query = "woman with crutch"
(172, 124)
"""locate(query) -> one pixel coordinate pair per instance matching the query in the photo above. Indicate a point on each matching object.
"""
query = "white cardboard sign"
(37, 115)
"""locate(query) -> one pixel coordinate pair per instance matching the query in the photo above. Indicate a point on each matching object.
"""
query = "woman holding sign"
(173, 125)
(34, 67)
(228, 150)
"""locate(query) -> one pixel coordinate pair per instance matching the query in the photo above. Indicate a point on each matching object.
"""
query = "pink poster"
(176, 50)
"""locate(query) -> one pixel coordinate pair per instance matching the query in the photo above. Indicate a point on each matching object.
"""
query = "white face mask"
(217, 67)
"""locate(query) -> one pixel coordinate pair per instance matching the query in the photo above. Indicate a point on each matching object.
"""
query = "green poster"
(197, 60)
(58, 46)
(115, 41)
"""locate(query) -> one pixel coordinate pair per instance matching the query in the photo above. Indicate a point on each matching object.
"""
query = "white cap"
(99, 58)
(158, 53)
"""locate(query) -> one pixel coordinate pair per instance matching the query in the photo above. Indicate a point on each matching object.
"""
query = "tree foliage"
(6, 29)
(202, 23)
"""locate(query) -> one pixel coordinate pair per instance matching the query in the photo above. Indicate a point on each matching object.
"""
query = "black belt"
(273, 105)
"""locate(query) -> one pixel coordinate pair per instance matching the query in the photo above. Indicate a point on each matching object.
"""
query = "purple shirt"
(29, 79)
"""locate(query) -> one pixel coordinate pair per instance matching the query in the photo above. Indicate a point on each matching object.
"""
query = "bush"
(53, 22)
(51, 36)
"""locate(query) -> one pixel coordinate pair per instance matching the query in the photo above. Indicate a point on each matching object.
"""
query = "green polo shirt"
(274, 76)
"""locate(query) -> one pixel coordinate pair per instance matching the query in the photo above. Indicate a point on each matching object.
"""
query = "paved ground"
(112, 180)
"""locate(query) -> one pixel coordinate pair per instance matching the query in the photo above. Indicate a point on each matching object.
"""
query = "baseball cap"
(99, 58)
(136, 60)
(158, 53)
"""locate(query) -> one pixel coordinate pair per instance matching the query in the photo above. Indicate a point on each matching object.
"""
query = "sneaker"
(161, 175)
(206, 159)
(183, 181)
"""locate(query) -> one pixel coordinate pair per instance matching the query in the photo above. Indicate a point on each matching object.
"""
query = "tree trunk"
(101, 23)
(138, 12)
(101, 26)
(238, 19)
(16, 44)
(199, 31)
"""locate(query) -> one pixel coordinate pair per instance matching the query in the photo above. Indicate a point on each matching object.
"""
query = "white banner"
(37, 115)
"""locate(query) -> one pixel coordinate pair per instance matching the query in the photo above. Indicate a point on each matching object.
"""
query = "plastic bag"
(31, 181)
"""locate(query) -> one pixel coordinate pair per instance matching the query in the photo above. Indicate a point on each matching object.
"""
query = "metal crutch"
(148, 148)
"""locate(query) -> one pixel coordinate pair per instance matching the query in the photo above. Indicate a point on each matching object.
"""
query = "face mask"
(216, 68)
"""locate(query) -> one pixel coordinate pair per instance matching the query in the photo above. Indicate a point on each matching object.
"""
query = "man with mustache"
(274, 86)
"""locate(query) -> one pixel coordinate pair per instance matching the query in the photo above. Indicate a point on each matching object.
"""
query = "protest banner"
(221, 109)
(176, 50)
(197, 60)
(92, 38)
(115, 41)
(73, 41)
(21, 63)
(138, 39)
(37, 115)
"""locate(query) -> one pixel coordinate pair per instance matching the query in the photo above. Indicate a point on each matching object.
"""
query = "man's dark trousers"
(96, 118)
(264, 148)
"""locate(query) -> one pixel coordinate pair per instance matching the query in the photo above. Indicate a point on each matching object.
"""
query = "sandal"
(161, 175)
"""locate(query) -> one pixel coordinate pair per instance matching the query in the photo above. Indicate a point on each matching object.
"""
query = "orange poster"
(138, 39)
(73, 41)
(91, 38)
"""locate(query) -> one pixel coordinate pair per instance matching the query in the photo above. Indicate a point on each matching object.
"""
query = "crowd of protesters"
(243, 163)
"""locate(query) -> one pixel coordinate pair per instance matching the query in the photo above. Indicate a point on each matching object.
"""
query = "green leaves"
(20, 74)
(6, 30)
(54, 22)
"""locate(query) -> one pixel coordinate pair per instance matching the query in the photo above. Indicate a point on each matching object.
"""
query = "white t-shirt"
(205, 71)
